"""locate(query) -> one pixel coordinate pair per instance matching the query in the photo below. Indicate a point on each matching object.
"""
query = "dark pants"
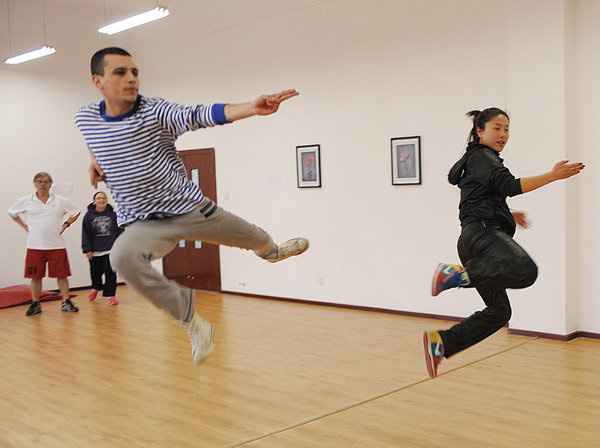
(494, 262)
(99, 266)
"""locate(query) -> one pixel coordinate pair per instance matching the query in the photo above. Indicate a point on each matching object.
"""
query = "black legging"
(494, 262)
(99, 266)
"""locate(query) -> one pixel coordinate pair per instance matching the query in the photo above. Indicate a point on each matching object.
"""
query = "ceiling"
(27, 24)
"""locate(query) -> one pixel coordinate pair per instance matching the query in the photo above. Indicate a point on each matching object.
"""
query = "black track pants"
(494, 262)
(101, 266)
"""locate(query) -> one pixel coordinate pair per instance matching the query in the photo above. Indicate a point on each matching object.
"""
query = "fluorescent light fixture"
(130, 22)
(40, 52)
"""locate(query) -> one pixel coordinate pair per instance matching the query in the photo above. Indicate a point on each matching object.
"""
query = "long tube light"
(130, 22)
(40, 52)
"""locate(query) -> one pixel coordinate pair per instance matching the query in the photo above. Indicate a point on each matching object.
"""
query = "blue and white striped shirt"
(137, 153)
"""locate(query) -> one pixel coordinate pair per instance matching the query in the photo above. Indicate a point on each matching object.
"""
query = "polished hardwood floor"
(283, 375)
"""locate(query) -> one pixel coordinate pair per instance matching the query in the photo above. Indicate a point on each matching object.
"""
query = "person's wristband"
(67, 224)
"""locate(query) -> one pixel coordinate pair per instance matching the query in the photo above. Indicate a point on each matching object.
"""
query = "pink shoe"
(93, 295)
(113, 300)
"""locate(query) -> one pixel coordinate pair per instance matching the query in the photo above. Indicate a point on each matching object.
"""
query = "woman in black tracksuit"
(491, 260)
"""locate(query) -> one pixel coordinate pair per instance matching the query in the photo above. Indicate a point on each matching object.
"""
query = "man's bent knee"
(122, 259)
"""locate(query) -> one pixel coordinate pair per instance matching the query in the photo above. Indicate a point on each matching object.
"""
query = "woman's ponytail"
(473, 114)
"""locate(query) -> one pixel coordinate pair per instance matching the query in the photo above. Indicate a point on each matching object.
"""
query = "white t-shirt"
(44, 221)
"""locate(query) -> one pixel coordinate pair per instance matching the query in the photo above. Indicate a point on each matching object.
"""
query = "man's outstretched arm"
(263, 105)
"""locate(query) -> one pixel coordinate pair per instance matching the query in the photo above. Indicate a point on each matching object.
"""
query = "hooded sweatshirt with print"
(99, 229)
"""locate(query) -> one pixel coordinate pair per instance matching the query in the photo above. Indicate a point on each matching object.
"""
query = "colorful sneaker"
(434, 351)
(448, 276)
(290, 248)
(68, 306)
(93, 295)
(201, 334)
(113, 300)
(34, 308)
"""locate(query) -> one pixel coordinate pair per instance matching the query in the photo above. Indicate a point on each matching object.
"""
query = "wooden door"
(196, 264)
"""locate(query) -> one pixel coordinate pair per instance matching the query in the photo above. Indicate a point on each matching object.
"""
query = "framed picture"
(308, 166)
(406, 161)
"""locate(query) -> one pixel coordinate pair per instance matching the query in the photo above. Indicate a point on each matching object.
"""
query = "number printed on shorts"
(31, 271)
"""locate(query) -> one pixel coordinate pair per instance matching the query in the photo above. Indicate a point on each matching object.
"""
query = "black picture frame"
(406, 160)
(308, 166)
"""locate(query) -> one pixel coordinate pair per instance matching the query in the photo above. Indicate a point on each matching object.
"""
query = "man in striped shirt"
(131, 140)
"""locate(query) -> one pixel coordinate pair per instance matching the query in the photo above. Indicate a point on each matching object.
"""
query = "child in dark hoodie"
(99, 232)
(492, 260)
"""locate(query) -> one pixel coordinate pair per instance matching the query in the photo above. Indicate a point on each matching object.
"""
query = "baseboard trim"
(346, 306)
(558, 337)
(349, 307)
(79, 288)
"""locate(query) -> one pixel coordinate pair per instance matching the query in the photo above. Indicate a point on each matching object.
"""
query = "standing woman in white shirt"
(42, 215)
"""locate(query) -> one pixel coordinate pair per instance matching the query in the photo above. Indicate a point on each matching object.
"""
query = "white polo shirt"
(44, 221)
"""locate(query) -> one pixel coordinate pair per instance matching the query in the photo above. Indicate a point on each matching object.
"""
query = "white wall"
(536, 82)
(367, 72)
(370, 75)
(588, 131)
(37, 134)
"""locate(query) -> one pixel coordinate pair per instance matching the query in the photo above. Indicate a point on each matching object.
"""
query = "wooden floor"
(283, 375)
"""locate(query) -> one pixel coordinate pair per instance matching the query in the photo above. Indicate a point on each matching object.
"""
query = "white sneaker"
(201, 334)
(290, 248)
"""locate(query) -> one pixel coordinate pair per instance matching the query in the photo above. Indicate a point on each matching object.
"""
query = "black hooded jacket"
(484, 184)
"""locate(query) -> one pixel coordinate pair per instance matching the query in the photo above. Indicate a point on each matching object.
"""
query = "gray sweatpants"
(144, 241)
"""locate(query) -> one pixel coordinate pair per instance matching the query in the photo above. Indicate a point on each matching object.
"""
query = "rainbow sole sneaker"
(448, 276)
(434, 351)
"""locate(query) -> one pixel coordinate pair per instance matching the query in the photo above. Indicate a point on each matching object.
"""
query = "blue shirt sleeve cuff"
(218, 114)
